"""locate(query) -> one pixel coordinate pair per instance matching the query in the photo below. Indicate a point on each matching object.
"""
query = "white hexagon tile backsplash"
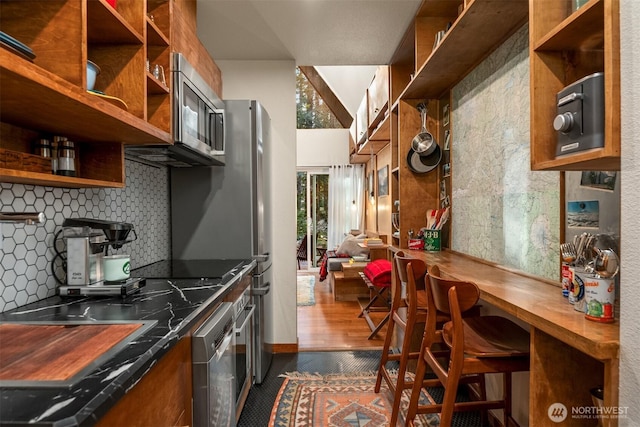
(27, 250)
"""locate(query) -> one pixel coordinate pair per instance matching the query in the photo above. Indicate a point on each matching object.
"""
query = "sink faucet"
(28, 218)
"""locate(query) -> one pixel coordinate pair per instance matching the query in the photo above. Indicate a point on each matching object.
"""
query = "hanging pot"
(423, 143)
(422, 164)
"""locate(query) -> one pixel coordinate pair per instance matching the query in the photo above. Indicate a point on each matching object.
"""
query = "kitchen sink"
(60, 353)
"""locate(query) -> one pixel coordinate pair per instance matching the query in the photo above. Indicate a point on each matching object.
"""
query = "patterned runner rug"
(346, 399)
(305, 288)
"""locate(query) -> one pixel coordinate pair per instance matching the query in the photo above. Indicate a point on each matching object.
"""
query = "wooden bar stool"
(408, 273)
(479, 345)
(378, 295)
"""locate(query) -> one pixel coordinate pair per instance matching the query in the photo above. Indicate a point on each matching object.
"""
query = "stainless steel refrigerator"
(224, 211)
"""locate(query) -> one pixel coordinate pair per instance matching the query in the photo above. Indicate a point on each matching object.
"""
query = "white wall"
(349, 83)
(630, 239)
(273, 83)
(322, 147)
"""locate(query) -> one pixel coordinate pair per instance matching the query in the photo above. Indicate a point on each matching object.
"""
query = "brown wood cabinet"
(362, 121)
(378, 95)
(566, 45)
(378, 114)
(158, 22)
(48, 96)
(163, 395)
(184, 39)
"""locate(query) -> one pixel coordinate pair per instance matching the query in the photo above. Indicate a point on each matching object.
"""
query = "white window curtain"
(346, 202)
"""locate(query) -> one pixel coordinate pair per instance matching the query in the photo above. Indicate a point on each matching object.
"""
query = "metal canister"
(600, 296)
(66, 157)
(576, 292)
(42, 147)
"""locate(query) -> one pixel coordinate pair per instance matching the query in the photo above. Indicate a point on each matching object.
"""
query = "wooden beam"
(329, 97)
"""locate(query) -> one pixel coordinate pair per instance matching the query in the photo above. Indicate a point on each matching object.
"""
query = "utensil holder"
(432, 240)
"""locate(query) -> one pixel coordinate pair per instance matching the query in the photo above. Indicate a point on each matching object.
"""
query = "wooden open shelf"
(359, 158)
(154, 86)
(583, 29)
(155, 36)
(377, 140)
(381, 132)
(480, 28)
(50, 180)
(64, 108)
(47, 96)
(106, 25)
(566, 46)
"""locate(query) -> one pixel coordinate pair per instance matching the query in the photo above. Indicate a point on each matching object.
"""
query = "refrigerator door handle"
(261, 258)
(263, 290)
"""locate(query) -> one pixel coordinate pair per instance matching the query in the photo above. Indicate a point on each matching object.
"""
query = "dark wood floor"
(334, 325)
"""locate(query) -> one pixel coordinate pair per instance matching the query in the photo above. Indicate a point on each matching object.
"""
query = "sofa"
(348, 286)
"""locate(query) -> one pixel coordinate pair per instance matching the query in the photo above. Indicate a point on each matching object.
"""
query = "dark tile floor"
(257, 408)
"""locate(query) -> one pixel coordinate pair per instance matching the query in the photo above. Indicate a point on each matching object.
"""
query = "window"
(312, 111)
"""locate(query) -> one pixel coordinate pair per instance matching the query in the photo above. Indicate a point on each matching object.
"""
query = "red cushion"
(379, 272)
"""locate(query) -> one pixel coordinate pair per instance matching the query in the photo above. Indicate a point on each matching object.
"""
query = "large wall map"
(502, 211)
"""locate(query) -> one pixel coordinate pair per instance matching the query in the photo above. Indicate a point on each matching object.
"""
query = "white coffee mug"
(116, 267)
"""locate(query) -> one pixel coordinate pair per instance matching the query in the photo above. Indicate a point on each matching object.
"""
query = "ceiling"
(311, 32)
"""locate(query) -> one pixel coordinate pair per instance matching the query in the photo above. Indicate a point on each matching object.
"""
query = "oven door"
(213, 371)
(243, 353)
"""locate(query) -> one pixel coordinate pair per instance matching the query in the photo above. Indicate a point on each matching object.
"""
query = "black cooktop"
(189, 269)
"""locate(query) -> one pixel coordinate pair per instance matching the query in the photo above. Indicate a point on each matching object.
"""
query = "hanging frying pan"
(422, 164)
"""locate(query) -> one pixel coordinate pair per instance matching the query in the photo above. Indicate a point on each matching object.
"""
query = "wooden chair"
(479, 345)
(408, 273)
(301, 251)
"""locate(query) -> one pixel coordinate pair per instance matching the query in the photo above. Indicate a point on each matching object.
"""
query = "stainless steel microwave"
(198, 123)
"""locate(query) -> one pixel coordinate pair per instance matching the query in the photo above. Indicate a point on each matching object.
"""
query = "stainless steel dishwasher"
(214, 382)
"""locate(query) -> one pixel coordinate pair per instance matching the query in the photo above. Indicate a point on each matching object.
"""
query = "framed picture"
(599, 180)
(447, 140)
(383, 181)
(371, 193)
(446, 170)
(445, 202)
(443, 189)
(445, 116)
(583, 214)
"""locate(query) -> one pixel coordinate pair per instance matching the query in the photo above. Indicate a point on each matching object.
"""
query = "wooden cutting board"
(52, 352)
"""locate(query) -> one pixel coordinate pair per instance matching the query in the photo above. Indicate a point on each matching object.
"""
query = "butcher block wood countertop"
(55, 352)
(570, 355)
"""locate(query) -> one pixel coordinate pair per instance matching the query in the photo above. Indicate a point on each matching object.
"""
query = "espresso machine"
(87, 244)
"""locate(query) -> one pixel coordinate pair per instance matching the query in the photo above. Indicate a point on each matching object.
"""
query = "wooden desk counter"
(569, 354)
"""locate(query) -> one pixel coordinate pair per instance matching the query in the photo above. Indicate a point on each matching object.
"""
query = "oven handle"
(247, 319)
(224, 345)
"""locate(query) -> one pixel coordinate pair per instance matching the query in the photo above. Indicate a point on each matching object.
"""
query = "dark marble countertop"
(174, 304)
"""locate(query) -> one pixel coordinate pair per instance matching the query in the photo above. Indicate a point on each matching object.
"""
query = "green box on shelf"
(432, 240)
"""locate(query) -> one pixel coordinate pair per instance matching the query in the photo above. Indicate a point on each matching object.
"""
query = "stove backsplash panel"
(27, 250)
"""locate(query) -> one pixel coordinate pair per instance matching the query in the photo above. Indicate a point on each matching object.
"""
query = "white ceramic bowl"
(92, 72)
